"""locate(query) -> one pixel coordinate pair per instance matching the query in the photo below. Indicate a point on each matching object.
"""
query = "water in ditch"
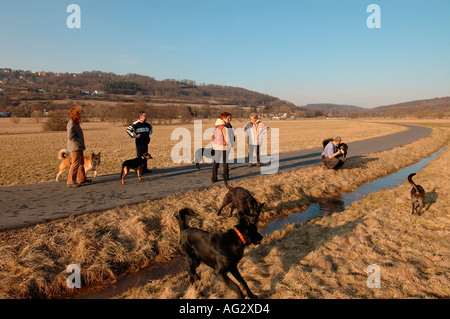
(322, 207)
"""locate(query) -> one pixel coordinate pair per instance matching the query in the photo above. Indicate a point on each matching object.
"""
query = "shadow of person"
(358, 162)
(295, 244)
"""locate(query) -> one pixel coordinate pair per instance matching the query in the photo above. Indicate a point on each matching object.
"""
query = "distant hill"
(327, 107)
(420, 108)
(110, 85)
(23, 93)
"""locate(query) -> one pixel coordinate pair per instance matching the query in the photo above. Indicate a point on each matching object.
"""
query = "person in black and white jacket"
(141, 130)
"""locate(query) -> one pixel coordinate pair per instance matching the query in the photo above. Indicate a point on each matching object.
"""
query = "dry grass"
(107, 244)
(328, 257)
(30, 156)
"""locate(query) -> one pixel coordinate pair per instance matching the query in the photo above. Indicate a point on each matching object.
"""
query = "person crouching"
(331, 155)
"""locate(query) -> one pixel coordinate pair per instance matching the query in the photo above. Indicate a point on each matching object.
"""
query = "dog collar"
(240, 236)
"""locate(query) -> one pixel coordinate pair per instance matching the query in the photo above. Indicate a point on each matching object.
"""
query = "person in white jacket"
(223, 141)
(255, 130)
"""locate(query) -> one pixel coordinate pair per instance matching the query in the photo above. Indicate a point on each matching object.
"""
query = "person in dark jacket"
(141, 130)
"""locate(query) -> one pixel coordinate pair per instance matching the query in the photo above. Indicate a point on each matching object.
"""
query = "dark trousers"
(140, 150)
(215, 166)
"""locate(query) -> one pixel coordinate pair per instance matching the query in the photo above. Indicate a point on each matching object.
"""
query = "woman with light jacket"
(223, 141)
(255, 130)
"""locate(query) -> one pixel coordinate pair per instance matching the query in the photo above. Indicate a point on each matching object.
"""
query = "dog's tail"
(63, 153)
(410, 176)
(226, 184)
(182, 217)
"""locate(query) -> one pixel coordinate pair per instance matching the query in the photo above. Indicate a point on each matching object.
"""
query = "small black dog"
(341, 146)
(417, 196)
(136, 164)
(221, 251)
(198, 156)
(245, 203)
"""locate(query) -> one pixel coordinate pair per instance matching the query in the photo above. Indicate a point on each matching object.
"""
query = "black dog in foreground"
(341, 146)
(221, 251)
(198, 156)
(417, 196)
(245, 203)
(136, 164)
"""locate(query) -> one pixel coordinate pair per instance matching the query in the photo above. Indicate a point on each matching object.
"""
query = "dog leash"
(240, 236)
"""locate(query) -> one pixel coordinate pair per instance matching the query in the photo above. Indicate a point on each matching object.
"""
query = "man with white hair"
(255, 130)
(331, 153)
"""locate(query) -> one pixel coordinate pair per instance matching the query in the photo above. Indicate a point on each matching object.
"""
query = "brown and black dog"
(243, 201)
(90, 162)
(220, 251)
(417, 196)
(137, 164)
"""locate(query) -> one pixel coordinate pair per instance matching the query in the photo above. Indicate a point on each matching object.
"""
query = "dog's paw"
(253, 296)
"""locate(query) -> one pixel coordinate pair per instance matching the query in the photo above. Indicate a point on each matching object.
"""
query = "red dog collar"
(240, 236)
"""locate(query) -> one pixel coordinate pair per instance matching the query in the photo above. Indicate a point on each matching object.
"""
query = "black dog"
(341, 146)
(245, 203)
(198, 156)
(221, 251)
(417, 196)
(136, 164)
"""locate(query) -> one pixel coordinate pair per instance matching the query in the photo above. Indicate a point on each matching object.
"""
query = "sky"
(317, 51)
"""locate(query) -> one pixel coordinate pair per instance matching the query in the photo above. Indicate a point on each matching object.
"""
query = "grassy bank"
(107, 244)
(328, 257)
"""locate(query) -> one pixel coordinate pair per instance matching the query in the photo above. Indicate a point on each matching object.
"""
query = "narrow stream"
(326, 206)
(323, 207)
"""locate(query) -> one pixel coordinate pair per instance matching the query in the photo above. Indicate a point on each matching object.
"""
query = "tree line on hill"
(26, 93)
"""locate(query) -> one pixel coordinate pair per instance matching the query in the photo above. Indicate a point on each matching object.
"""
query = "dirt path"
(30, 204)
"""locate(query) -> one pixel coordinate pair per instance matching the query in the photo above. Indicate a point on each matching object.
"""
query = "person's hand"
(138, 135)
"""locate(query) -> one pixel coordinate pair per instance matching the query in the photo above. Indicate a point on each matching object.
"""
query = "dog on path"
(198, 156)
(243, 201)
(136, 164)
(90, 162)
(220, 251)
(417, 196)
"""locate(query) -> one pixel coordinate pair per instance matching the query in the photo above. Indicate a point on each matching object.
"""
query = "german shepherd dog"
(341, 146)
(220, 251)
(198, 156)
(417, 196)
(136, 164)
(241, 199)
(90, 162)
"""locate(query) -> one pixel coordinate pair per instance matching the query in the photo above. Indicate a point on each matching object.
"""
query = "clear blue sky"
(301, 51)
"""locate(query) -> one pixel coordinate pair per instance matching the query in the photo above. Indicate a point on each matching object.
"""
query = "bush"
(57, 121)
